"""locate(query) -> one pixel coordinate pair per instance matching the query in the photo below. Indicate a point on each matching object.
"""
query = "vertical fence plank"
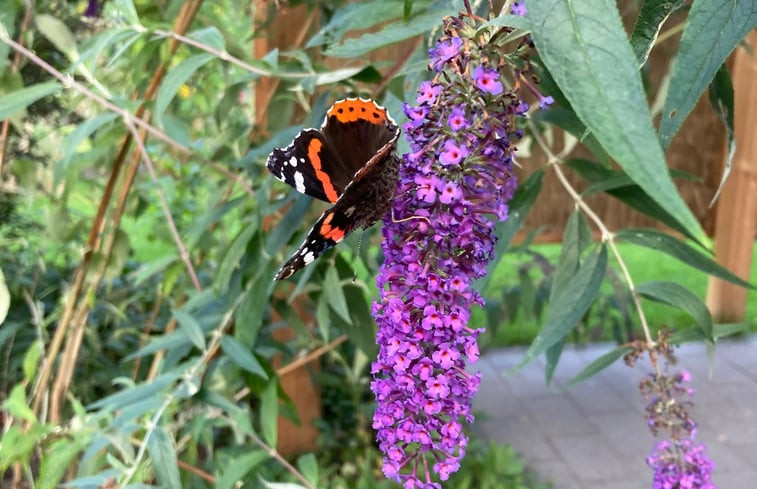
(736, 222)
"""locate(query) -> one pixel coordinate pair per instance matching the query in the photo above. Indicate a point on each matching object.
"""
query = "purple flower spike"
(453, 186)
(487, 80)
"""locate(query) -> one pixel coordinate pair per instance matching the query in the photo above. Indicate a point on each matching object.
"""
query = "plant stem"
(607, 236)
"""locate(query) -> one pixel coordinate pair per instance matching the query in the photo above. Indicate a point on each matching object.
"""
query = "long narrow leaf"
(665, 243)
(18, 100)
(711, 32)
(652, 16)
(578, 41)
(682, 298)
(568, 304)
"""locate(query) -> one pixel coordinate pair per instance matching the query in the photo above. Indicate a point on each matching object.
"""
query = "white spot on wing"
(308, 258)
(299, 182)
(293, 161)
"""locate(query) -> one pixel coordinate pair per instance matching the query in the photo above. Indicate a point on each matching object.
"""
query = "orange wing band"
(314, 149)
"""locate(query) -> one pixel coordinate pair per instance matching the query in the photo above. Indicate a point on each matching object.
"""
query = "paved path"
(594, 435)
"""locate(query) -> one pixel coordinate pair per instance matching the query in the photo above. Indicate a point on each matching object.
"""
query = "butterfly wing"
(365, 200)
(360, 129)
(308, 165)
(330, 229)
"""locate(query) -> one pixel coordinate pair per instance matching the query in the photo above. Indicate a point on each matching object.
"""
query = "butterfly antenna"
(357, 254)
(397, 221)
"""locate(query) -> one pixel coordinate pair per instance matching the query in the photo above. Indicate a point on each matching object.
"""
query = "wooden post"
(736, 221)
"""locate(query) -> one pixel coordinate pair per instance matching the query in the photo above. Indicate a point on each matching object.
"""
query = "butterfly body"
(351, 163)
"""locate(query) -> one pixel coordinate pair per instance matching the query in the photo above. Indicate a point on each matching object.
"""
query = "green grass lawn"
(644, 265)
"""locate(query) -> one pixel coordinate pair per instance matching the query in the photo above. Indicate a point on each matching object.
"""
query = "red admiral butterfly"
(350, 162)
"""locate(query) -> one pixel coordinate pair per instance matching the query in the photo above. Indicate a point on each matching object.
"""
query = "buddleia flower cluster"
(454, 184)
(678, 462)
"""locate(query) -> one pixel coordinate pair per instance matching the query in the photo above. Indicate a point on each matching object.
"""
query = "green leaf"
(58, 33)
(329, 77)
(56, 461)
(631, 195)
(721, 99)
(660, 241)
(567, 305)
(727, 329)
(711, 32)
(126, 8)
(566, 119)
(74, 139)
(308, 466)
(599, 364)
(8, 28)
(682, 298)
(174, 80)
(522, 202)
(237, 468)
(189, 325)
(163, 456)
(210, 36)
(16, 405)
(588, 54)
(31, 359)
(335, 294)
(119, 400)
(242, 356)
(553, 357)
(14, 102)
(355, 16)
(269, 413)
(361, 327)
(652, 16)
(506, 20)
(5, 298)
(233, 257)
(576, 238)
(395, 32)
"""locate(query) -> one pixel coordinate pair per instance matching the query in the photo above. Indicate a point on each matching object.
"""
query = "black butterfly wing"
(365, 200)
(359, 129)
(310, 166)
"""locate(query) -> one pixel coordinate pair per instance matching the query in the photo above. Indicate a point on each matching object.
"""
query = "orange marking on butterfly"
(331, 232)
(314, 158)
(355, 110)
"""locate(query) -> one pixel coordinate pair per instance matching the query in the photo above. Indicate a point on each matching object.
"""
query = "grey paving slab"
(594, 435)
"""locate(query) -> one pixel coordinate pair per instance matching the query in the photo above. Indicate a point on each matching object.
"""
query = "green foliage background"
(138, 339)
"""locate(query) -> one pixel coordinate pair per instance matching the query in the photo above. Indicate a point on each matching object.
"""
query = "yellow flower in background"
(184, 91)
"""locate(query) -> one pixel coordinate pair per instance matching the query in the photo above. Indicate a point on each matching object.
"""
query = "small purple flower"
(450, 193)
(427, 93)
(452, 154)
(519, 9)
(457, 120)
(443, 52)
(545, 102)
(93, 9)
(487, 80)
